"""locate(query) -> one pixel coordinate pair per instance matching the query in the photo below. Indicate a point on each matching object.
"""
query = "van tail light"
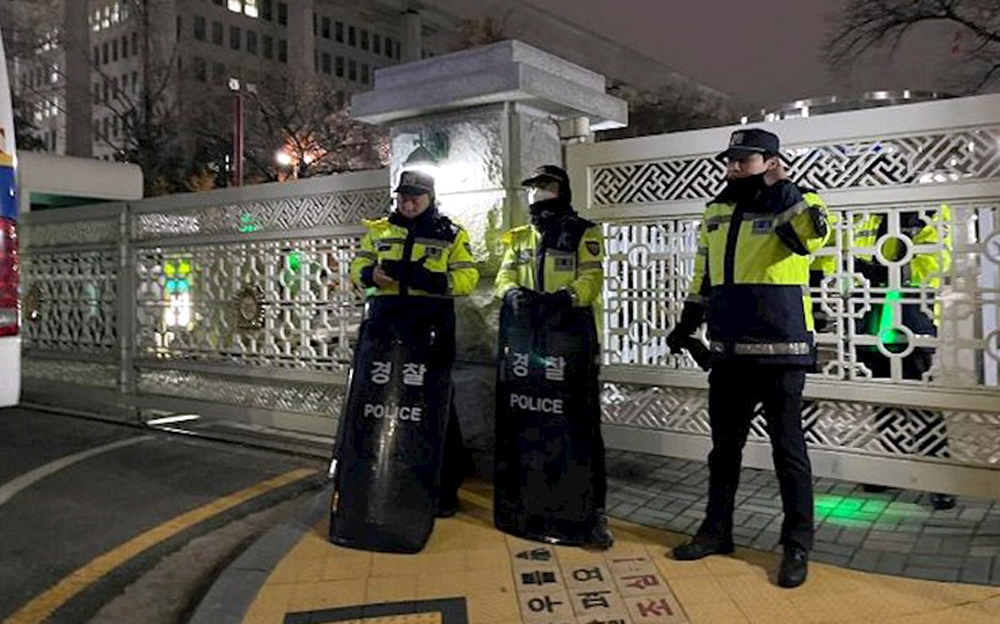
(10, 308)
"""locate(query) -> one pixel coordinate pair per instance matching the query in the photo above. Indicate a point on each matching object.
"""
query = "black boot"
(447, 506)
(794, 567)
(702, 546)
(600, 535)
(942, 502)
(871, 488)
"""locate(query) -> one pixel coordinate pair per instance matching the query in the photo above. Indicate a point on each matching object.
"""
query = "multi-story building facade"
(190, 53)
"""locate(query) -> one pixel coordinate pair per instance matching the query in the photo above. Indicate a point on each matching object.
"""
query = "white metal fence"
(937, 164)
(237, 302)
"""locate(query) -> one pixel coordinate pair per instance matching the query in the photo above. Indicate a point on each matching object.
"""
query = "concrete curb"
(234, 591)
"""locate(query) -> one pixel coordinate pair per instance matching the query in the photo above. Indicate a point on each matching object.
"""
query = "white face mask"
(536, 195)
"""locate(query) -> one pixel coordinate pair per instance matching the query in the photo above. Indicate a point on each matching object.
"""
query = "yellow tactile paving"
(506, 580)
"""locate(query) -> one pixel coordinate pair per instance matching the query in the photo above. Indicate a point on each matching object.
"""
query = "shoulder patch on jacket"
(593, 247)
(376, 224)
(508, 237)
(443, 228)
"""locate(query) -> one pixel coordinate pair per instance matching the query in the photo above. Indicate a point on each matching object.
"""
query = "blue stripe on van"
(8, 193)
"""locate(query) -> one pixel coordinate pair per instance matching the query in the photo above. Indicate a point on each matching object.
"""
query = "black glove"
(426, 280)
(559, 300)
(396, 269)
(677, 337)
(692, 317)
(874, 271)
(519, 298)
(368, 276)
(699, 352)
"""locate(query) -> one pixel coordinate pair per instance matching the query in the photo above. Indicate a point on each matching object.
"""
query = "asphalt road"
(106, 502)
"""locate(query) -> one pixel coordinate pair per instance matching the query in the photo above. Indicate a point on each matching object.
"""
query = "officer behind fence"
(534, 264)
(417, 261)
(750, 284)
(919, 430)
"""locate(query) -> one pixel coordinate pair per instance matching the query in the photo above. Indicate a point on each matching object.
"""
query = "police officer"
(923, 270)
(414, 263)
(750, 284)
(559, 258)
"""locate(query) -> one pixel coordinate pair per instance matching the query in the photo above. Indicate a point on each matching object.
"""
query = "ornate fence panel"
(916, 193)
(235, 304)
(71, 279)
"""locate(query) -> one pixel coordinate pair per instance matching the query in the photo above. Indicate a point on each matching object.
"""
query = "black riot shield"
(547, 417)
(391, 436)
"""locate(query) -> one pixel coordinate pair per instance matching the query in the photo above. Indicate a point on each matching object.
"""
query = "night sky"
(766, 51)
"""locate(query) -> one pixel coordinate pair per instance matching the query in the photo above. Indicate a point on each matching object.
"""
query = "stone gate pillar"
(482, 119)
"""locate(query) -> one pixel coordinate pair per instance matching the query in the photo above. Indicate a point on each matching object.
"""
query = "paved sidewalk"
(470, 573)
(896, 532)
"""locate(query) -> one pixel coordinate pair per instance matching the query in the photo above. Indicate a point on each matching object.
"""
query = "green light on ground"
(848, 511)
(858, 511)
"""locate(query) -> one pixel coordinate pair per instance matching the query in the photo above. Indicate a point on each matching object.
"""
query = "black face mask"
(749, 187)
(547, 211)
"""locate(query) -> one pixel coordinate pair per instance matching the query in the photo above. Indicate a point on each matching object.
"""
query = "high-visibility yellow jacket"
(442, 246)
(752, 273)
(925, 268)
(568, 256)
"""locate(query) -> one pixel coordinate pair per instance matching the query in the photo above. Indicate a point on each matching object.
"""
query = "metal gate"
(935, 163)
(231, 304)
(236, 304)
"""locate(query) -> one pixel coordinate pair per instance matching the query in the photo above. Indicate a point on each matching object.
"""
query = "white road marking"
(14, 487)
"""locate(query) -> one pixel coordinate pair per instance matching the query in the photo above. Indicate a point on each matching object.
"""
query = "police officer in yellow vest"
(923, 270)
(560, 257)
(750, 284)
(413, 264)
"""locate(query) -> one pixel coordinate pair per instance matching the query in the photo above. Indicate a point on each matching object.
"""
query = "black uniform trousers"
(734, 392)
(598, 450)
(455, 461)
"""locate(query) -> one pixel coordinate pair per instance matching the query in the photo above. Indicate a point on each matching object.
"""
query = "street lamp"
(236, 88)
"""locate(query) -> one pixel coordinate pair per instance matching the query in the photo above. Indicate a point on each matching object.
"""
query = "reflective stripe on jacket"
(752, 274)
(442, 246)
(575, 263)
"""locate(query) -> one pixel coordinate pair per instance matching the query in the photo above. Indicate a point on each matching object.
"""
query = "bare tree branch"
(868, 24)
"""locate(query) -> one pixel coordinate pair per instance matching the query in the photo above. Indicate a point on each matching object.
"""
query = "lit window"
(250, 8)
(177, 274)
(116, 13)
(236, 6)
(106, 20)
